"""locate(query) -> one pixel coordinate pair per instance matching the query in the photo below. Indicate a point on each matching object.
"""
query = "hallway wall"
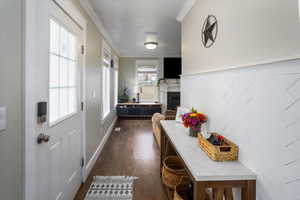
(258, 109)
(249, 32)
(95, 127)
(256, 105)
(11, 145)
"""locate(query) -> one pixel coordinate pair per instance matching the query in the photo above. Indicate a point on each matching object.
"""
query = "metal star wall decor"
(209, 31)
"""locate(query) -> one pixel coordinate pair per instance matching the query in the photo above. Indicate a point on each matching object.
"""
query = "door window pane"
(64, 42)
(72, 100)
(72, 47)
(63, 81)
(63, 72)
(54, 35)
(63, 102)
(53, 104)
(54, 71)
(72, 73)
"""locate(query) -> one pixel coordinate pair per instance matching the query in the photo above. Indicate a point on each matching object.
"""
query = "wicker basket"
(227, 152)
(172, 172)
(183, 190)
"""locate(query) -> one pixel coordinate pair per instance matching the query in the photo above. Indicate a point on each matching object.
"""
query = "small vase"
(194, 132)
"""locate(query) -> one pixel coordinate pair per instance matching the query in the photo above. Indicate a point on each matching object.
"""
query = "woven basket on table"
(226, 152)
(172, 171)
(184, 192)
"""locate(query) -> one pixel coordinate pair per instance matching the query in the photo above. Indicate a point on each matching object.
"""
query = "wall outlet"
(3, 118)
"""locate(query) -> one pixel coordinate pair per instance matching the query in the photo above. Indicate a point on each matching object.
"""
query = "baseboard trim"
(88, 168)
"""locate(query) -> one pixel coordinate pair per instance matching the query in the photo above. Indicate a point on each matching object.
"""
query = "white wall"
(127, 75)
(11, 146)
(257, 107)
(250, 31)
(95, 128)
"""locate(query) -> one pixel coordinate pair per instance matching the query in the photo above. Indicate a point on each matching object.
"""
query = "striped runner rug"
(111, 188)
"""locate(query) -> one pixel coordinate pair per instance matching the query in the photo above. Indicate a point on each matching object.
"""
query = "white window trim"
(105, 49)
(116, 87)
(105, 114)
(116, 81)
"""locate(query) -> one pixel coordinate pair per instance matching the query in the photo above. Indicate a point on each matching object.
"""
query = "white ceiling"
(127, 22)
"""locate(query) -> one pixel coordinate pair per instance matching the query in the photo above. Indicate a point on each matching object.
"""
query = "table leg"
(199, 191)
(249, 192)
(162, 149)
(228, 194)
(220, 194)
(214, 193)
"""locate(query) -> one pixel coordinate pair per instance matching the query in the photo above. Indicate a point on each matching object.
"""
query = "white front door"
(59, 172)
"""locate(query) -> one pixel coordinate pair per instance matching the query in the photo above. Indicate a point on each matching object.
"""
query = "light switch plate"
(3, 118)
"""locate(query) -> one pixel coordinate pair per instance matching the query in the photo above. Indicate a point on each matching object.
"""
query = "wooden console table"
(204, 172)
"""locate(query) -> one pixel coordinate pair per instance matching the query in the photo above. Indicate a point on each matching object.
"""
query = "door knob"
(42, 138)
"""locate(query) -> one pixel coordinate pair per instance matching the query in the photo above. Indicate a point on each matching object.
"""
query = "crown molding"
(73, 11)
(185, 10)
(91, 12)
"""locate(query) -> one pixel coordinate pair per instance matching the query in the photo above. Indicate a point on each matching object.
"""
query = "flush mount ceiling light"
(151, 40)
(151, 45)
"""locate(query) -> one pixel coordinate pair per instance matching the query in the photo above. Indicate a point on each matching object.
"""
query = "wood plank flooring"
(131, 152)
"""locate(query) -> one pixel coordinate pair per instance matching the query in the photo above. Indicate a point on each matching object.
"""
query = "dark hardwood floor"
(131, 152)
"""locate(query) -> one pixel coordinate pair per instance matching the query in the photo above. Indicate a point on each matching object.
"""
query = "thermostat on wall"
(3, 118)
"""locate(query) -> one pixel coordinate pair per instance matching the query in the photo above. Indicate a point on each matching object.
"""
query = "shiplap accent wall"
(258, 108)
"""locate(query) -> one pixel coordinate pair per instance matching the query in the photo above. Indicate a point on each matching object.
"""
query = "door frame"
(31, 97)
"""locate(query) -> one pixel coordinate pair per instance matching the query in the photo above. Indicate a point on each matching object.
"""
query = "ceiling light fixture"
(151, 40)
(151, 45)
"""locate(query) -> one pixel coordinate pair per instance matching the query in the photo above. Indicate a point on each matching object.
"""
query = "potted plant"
(123, 98)
(193, 120)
